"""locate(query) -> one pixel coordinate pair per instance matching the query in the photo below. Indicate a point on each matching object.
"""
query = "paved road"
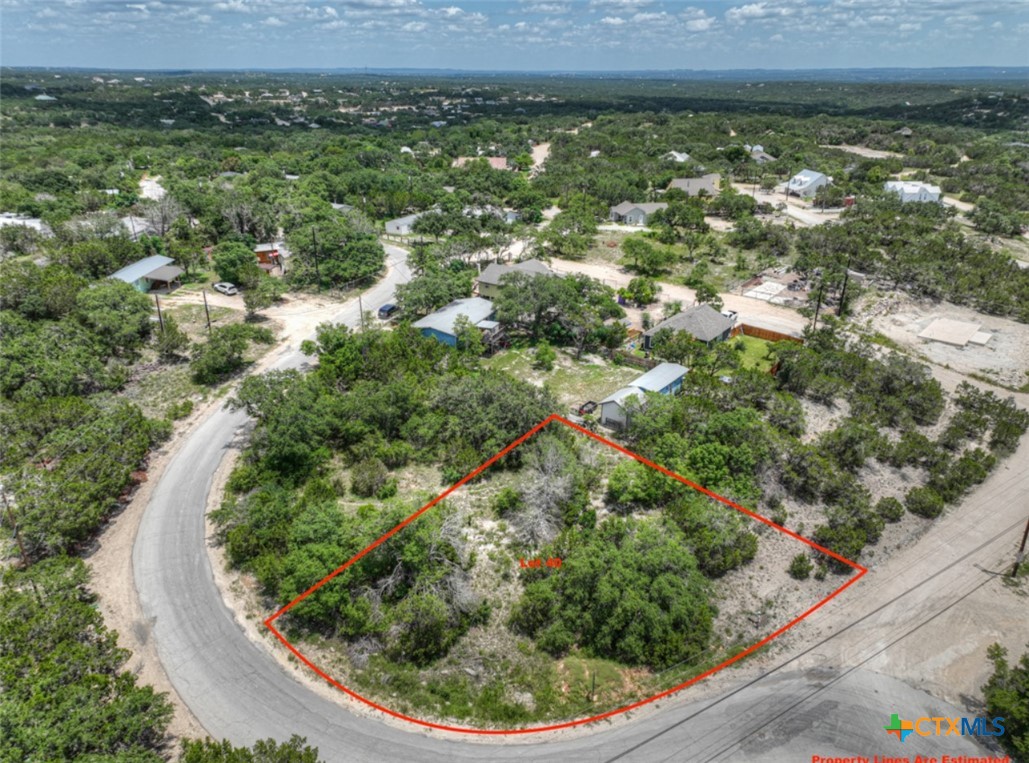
(829, 705)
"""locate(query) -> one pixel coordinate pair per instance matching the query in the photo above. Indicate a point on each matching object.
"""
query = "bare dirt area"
(756, 310)
(1004, 359)
(868, 153)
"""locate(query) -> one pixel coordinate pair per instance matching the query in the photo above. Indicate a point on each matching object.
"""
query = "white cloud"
(620, 5)
(697, 20)
(612, 20)
(644, 18)
(273, 21)
(760, 10)
(415, 26)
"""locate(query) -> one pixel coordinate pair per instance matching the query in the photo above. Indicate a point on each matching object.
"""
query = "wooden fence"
(766, 334)
(629, 359)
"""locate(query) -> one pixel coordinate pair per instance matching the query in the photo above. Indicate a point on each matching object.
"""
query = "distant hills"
(932, 75)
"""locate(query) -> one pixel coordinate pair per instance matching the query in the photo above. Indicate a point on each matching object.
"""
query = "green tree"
(1007, 696)
(544, 356)
(234, 262)
(223, 353)
(170, 341)
(118, 315)
(66, 695)
(296, 750)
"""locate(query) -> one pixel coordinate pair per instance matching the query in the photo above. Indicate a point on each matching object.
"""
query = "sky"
(522, 35)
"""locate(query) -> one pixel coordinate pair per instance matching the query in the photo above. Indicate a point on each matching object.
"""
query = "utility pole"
(818, 305)
(160, 318)
(317, 270)
(1021, 549)
(360, 307)
(206, 311)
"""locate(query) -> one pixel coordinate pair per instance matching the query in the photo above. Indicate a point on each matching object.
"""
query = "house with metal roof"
(806, 183)
(703, 323)
(403, 226)
(909, 190)
(442, 324)
(144, 274)
(490, 278)
(663, 379)
(707, 185)
(679, 157)
(631, 213)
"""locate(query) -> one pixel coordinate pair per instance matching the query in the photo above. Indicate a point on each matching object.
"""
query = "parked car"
(387, 311)
(228, 289)
(588, 407)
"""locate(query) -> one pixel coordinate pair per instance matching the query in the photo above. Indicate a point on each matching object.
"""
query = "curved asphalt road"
(238, 691)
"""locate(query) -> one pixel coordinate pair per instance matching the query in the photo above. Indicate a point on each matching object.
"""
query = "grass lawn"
(572, 382)
(755, 352)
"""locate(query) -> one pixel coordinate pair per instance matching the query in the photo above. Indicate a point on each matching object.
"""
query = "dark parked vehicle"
(588, 407)
(387, 310)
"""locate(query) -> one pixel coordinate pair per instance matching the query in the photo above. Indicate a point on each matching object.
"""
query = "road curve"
(238, 691)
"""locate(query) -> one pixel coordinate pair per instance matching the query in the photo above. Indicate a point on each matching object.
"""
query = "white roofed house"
(909, 190)
(143, 274)
(806, 183)
(630, 213)
(664, 379)
(403, 226)
(679, 157)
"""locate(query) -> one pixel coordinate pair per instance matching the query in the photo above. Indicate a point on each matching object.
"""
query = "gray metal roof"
(620, 395)
(142, 268)
(406, 219)
(693, 186)
(495, 272)
(649, 207)
(443, 320)
(703, 322)
(166, 273)
(659, 377)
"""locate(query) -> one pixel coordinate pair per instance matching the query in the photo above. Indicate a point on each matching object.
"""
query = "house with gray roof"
(490, 278)
(703, 323)
(806, 183)
(144, 274)
(910, 190)
(631, 213)
(663, 379)
(442, 324)
(402, 226)
(707, 185)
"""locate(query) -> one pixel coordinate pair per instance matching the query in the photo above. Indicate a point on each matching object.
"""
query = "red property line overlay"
(269, 622)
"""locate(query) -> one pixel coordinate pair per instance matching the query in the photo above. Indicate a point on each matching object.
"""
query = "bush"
(890, 509)
(924, 501)
(222, 354)
(180, 410)
(800, 567)
(719, 536)
(545, 356)
(368, 477)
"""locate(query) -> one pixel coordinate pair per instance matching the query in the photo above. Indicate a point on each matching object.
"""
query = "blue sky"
(515, 34)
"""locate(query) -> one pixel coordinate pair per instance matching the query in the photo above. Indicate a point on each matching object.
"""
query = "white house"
(679, 157)
(631, 213)
(665, 379)
(806, 183)
(402, 226)
(910, 190)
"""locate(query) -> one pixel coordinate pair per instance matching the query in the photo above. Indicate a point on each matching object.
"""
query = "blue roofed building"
(442, 324)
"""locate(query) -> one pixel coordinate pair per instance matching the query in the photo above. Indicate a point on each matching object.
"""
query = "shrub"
(368, 477)
(890, 509)
(924, 501)
(545, 356)
(800, 567)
